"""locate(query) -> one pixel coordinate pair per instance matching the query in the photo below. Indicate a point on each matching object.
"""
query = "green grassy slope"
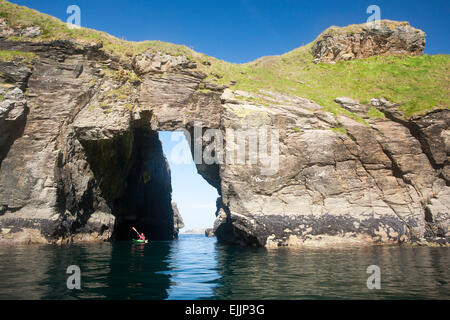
(419, 83)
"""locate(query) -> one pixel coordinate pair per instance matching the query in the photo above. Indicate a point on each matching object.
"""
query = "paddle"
(136, 231)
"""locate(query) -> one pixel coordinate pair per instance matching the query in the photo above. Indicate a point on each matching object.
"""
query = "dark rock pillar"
(147, 202)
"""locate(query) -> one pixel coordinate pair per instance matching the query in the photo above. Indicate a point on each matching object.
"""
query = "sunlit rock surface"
(81, 159)
(371, 39)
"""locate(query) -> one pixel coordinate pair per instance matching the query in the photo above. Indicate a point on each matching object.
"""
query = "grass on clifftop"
(53, 28)
(419, 83)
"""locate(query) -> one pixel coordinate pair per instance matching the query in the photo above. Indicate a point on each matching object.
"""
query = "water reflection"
(21, 269)
(406, 273)
(108, 271)
(193, 268)
(135, 271)
(196, 267)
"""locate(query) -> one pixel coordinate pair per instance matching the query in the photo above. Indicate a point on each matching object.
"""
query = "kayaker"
(140, 235)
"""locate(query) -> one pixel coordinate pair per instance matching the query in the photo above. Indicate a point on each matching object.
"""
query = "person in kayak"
(140, 235)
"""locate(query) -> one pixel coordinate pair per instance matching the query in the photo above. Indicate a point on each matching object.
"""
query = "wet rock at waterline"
(177, 220)
(209, 232)
(81, 159)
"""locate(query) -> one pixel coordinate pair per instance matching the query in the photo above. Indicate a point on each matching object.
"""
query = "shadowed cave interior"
(146, 203)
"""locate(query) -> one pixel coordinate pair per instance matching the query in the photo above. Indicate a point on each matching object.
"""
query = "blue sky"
(243, 30)
(238, 31)
(195, 198)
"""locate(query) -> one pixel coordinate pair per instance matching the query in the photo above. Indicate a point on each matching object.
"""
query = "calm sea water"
(196, 267)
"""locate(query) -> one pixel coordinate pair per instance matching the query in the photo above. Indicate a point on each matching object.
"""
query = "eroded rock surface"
(177, 220)
(367, 40)
(28, 32)
(209, 232)
(81, 167)
(81, 159)
(373, 183)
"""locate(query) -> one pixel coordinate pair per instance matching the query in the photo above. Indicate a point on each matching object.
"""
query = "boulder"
(367, 40)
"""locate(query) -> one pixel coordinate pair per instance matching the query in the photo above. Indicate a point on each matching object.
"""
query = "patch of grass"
(340, 130)
(123, 75)
(129, 106)
(418, 84)
(133, 77)
(7, 56)
(121, 93)
(374, 113)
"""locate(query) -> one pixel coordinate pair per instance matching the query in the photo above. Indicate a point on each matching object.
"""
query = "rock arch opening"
(194, 198)
(163, 186)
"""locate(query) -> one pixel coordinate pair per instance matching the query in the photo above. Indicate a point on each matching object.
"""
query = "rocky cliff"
(80, 158)
(370, 39)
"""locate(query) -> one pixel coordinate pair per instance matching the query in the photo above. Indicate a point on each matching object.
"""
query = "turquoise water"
(196, 267)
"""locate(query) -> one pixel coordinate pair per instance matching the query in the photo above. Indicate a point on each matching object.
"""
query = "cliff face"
(375, 182)
(76, 164)
(81, 159)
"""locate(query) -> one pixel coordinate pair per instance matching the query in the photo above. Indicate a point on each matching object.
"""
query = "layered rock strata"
(81, 159)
